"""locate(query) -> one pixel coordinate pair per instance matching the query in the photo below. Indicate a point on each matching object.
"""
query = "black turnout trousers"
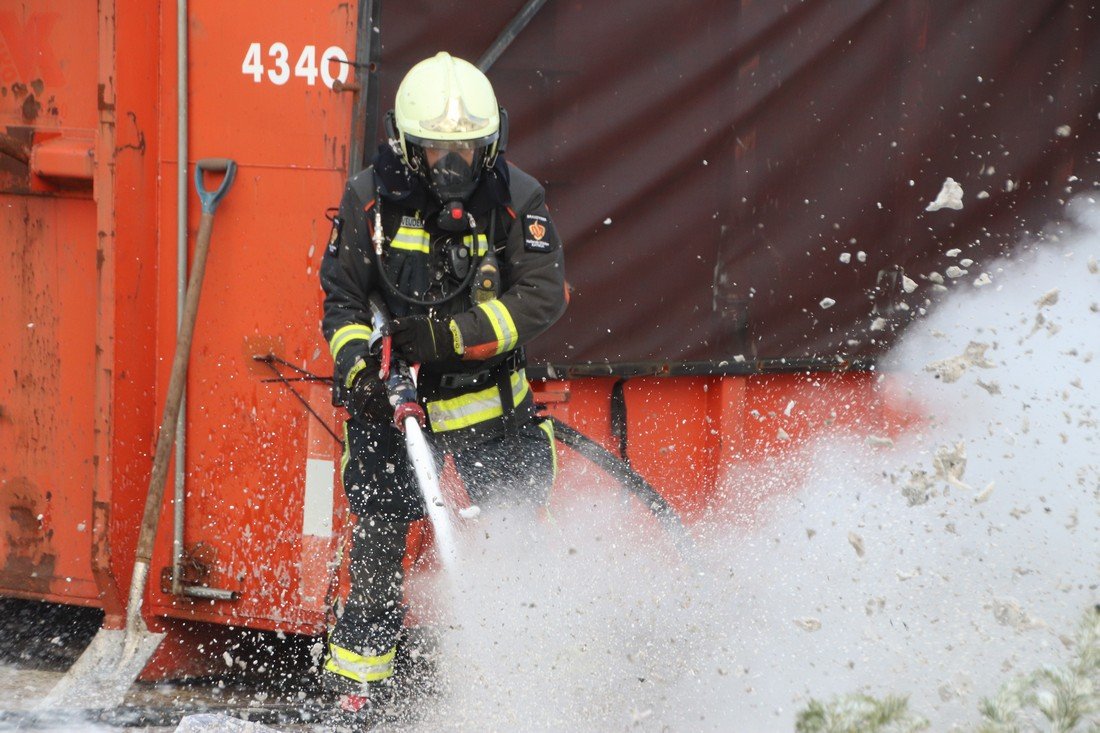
(513, 471)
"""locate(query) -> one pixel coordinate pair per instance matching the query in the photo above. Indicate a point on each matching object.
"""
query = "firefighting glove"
(425, 340)
(365, 396)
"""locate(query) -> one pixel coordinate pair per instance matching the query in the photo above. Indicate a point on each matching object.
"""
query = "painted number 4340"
(309, 66)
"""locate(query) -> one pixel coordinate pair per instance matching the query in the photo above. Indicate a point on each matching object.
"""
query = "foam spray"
(935, 565)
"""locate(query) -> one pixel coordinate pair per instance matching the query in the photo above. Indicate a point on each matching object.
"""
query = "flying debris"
(949, 197)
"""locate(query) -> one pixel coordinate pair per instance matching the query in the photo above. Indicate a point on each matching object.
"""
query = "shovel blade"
(104, 672)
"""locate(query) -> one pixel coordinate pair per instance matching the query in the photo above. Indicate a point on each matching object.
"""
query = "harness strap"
(465, 380)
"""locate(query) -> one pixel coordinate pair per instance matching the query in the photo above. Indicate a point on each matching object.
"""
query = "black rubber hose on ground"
(631, 481)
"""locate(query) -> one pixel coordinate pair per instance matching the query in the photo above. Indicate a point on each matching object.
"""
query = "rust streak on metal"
(345, 86)
(30, 560)
(13, 147)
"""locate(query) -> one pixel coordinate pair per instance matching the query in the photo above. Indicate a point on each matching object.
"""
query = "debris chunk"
(857, 543)
(949, 370)
(1049, 298)
(809, 623)
(982, 280)
(918, 489)
(908, 284)
(827, 303)
(1007, 612)
(991, 387)
(950, 464)
(949, 197)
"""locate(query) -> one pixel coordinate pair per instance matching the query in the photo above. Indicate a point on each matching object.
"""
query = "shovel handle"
(166, 437)
(211, 199)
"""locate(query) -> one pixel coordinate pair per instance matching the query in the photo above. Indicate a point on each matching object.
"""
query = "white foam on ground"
(836, 585)
(218, 723)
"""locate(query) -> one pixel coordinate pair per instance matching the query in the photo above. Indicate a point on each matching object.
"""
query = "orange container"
(88, 216)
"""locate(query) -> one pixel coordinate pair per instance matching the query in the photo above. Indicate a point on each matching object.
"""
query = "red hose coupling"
(387, 358)
(407, 410)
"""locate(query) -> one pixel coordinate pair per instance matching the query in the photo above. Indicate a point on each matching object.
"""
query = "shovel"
(114, 658)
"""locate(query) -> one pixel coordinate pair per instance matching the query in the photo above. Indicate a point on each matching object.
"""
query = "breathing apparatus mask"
(452, 170)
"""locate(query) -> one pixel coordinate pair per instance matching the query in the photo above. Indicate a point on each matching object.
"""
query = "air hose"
(464, 287)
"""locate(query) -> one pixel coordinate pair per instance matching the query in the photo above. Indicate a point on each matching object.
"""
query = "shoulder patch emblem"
(334, 236)
(538, 227)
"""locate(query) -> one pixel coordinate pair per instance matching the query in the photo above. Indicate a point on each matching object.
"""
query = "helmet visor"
(452, 168)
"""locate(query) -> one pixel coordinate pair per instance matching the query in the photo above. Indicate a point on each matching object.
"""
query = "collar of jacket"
(397, 184)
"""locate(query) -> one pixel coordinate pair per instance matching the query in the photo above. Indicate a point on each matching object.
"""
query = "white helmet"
(446, 103)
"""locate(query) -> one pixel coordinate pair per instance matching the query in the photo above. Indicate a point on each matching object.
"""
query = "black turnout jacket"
(511, 218)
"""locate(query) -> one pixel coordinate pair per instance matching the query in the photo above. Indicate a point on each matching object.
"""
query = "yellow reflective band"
(346, 334)
(410, 239)
(547, 427)
(360, 365)
(504, 328)
(460, 348)
(482, 243)
(356, 667)
(476, 407)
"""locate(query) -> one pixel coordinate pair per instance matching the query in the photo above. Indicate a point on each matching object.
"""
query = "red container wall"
(692, 437)
(77, 191)
(48, 305)
(259, 498)
(46, 413)
(90, 317)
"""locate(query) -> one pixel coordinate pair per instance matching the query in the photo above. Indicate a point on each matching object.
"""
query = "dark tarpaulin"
(708, 162)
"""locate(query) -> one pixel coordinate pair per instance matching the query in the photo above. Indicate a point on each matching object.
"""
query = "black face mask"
(452, 178)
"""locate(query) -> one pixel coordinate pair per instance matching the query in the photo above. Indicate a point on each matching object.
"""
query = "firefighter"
(470, 267)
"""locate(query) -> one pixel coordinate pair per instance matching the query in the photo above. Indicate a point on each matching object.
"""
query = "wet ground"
(40, 641)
